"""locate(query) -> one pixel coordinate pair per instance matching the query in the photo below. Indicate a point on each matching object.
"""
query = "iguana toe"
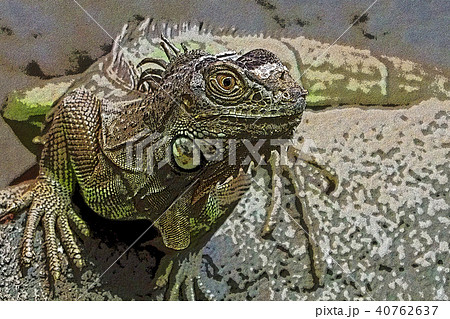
(15, 199)
(69, 241)
(51, 244)
(275, 202)
(34, 216)
(78, 222)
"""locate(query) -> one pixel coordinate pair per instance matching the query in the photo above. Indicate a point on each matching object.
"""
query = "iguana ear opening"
(187, 101)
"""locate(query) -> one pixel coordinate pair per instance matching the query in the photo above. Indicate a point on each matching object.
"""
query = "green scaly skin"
(198, 95)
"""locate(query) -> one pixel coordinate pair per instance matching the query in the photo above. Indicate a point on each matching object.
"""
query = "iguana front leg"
(46, 201)
(52, 204)
(49, 197)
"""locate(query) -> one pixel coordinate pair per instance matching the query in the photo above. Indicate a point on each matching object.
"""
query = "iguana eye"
(226, 81)
(225, 84)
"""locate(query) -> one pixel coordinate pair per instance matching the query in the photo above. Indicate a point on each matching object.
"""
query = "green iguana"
(113, 150)
(337, 75)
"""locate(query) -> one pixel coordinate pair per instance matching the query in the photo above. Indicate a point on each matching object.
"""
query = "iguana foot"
(291, 166)
(177, 280)
(47, 202)
(233, 188)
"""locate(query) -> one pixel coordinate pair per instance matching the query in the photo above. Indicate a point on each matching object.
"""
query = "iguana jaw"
(267, 117)
(282, 113)
(246, 127)
(276, 120)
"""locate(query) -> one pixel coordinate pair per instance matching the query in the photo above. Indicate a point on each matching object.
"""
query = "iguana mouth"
(264, 118)
(286, 114)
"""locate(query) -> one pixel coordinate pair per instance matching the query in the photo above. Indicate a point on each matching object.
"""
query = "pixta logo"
(150, 151)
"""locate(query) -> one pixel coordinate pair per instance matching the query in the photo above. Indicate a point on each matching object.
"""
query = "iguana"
(111, 149)
(342, 76)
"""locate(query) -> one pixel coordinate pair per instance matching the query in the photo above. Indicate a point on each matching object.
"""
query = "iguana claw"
(278, 167)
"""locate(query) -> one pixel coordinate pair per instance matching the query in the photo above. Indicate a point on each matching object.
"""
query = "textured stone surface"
(387, 223)
(382, 234)
(63, 39)
(15, 158)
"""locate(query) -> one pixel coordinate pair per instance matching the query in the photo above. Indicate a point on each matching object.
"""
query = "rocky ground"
(382, 234)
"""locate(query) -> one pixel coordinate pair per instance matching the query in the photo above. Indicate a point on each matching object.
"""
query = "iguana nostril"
(257, 97)
(297, 92)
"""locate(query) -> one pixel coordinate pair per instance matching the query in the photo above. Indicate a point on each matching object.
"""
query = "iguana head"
(227, 95)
